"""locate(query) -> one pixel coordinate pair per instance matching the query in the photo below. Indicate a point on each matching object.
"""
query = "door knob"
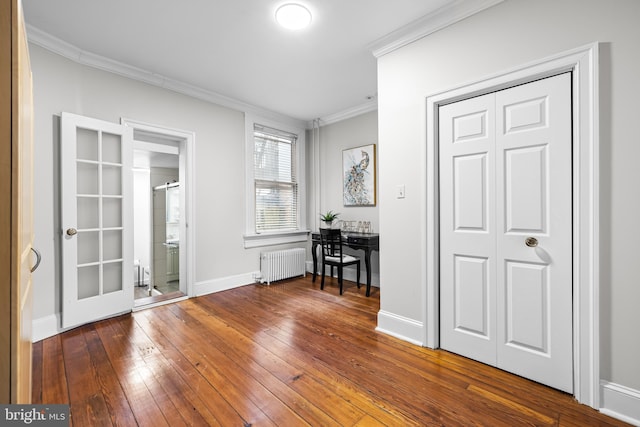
(532, 242)
(71, 231)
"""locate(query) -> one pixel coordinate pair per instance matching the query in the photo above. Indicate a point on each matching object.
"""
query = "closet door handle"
(38, 259)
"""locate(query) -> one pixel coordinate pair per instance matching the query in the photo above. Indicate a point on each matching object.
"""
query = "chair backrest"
(331, 241)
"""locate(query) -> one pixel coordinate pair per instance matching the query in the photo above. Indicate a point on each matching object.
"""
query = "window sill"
(270, 239)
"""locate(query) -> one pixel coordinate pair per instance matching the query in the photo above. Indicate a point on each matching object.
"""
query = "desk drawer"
(357, 241)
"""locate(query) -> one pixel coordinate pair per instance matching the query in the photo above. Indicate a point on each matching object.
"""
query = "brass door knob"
(71, 231)
(532, 242)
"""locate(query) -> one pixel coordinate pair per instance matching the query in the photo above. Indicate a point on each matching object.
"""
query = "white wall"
(142, 219)
(511, 34)
(333, 138)
(63, 85)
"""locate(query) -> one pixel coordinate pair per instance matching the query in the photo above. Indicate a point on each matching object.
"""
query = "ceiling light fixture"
(293, 16)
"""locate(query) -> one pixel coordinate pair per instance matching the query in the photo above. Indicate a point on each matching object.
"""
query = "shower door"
(97, 218)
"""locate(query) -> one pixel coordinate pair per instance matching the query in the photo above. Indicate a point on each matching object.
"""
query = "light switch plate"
(400, 192)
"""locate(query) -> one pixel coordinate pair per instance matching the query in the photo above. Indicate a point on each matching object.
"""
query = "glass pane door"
(96, 169)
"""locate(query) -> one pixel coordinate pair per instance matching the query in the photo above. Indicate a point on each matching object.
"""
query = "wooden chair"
(331, 242)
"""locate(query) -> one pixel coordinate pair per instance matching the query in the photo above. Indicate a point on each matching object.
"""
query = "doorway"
(156, 179)
(162, 224)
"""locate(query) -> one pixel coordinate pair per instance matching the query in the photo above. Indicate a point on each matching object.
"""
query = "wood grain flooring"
(287, 354)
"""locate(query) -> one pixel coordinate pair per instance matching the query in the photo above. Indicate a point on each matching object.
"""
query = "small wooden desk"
(368, 242)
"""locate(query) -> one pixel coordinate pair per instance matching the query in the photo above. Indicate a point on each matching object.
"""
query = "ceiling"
(234, 49)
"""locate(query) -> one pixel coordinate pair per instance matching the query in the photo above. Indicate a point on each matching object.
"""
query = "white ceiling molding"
(347, 114)
(69, 51)
(428, 24)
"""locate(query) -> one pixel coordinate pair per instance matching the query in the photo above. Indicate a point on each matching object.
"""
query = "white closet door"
(97, 218)
(533, 177)
(512, 291)
(467, 229)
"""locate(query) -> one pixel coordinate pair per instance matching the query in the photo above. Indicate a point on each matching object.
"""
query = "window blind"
(275, 175)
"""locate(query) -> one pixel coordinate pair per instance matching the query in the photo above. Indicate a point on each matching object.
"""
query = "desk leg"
(367, 263)
(314, 246)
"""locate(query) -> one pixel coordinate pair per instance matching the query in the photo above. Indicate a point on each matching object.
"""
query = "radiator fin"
(283, 264)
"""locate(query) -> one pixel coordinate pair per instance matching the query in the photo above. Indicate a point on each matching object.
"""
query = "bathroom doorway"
(160, 180)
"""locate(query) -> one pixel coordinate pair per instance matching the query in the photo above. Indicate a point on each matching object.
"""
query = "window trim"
(251, 238)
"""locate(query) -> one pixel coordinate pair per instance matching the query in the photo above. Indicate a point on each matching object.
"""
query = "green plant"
(330, 216)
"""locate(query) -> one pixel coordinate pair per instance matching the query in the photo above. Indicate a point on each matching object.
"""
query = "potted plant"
(329, 217)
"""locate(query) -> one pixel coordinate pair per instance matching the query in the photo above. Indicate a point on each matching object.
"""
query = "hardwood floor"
(288, 355)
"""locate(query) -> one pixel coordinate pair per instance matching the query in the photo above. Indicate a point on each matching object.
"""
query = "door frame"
(583, 63)
(186, 140)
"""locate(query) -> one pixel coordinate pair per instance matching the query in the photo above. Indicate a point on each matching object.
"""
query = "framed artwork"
(359, 176)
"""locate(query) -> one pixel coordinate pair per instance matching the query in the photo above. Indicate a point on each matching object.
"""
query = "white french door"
(506, 230)
(97, 219)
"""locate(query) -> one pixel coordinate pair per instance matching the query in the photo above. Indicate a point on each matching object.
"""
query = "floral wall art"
(359, 176)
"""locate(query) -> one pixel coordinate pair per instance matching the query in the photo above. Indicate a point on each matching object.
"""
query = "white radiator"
(278, 265)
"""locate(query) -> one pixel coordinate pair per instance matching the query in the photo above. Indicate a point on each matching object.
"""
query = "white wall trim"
(159, 303)
(46, 327)
(428, 24)
(349, 113)
(583, 62)
(260, 240)
(49, 326)
(72, 52)
(400, 327)
(224, 283)
(620, 402)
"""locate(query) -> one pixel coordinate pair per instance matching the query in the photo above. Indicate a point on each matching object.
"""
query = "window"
(275, 183)
(275, 180)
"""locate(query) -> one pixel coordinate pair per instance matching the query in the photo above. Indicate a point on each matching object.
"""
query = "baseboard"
(620, 402)
(46, 327)
(400, 327)
(223, 284)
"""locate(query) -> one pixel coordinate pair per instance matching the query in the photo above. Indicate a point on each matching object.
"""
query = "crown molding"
(72, 52)
(428, 24)
(346, 114)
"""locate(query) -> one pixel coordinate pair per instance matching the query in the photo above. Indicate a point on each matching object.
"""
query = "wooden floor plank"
(220, 386)
(308, 398)
(124, 361)
(287, 354)
(235, 374)
(381, 378)
(54, 382)
(88, 404)
(334, 381)
(36, 373)
(108, 380)
(179, 399)
(224, 413)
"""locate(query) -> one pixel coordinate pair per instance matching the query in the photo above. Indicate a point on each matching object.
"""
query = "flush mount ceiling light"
(293, 16)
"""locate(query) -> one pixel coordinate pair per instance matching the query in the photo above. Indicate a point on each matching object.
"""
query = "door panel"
(471, 290)
(470, 192)
(527, 306)
(506, 230)
(525, 189)
(16, 207)
(467, 229)
(96, 217)
(534, 284)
